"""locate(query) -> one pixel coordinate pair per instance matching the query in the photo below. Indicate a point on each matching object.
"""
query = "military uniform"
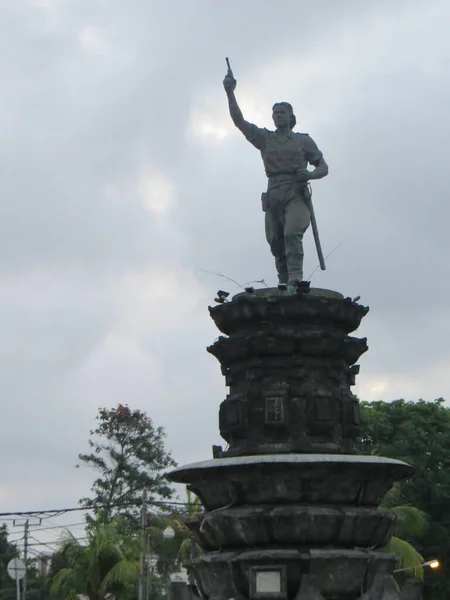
(287, 215)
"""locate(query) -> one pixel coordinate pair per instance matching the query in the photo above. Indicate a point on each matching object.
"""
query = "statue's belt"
(281, 179)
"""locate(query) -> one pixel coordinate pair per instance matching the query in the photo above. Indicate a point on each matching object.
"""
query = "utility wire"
(55, 543)
(39, 543)
(61, 526)
(60, 511)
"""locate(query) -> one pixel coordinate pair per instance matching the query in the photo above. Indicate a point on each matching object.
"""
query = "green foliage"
(408, 558)
(38, 586)
(172, 554)
(189, 548)
(7, 552)
(128, 452)
(411, 521)
(419, 434)
(107, 564)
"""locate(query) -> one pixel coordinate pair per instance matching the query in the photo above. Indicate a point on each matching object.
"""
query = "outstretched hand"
(229, 83)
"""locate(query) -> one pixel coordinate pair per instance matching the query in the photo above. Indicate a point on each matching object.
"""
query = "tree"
(189, 548)
(411, 522)
(175, 552)
(108, 564)
(419, 434)
(38, 586)
(7, 552)
(128, 451)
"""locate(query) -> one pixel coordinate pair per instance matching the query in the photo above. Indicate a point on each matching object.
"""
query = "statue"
(287, 202)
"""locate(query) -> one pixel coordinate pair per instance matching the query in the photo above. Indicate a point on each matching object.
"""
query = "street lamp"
(433, 564)
(168, 533)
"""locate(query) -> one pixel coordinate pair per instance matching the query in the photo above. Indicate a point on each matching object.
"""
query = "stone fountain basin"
(336, 573)
(293, 524)
(292, 478)
(263, 305)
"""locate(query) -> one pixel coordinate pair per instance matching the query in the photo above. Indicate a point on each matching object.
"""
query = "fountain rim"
(291, 459)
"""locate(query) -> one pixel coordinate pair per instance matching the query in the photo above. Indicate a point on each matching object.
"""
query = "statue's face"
(281, 116)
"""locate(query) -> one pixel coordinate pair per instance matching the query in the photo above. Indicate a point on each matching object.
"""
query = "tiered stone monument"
(291, 509)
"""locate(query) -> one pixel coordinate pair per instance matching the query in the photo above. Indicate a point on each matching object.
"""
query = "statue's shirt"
(282, 155)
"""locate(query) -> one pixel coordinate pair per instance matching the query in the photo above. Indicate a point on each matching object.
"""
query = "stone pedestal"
(289, 363)
(291, 510)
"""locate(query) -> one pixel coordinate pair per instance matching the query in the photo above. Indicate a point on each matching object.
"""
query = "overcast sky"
(122, 177)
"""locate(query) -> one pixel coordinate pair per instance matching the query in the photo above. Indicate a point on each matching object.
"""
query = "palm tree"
(107, 565)
(168, 555)
(173, 553)
(410, 522)
(189, 547)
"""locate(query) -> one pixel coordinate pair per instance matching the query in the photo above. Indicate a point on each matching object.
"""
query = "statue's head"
(283, 115)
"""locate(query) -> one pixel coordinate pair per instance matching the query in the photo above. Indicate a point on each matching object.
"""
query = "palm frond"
(394, 496)
(61, 580)
(123, 573)
(107, 562)
(188, 550)
(156, 534)
(411, 521)
(185, 550)
(194, 504)
(408, 558)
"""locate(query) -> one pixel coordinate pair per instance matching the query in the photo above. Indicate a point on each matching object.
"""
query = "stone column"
(291, 509)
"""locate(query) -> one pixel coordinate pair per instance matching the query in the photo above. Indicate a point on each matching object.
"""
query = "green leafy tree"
(38, 586)
(106, 566)
(128, 453)
(7, 552)
(419, 434)
(411, 523)
(189, 548)
(169, 555)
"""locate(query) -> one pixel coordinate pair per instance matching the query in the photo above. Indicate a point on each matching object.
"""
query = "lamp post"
(151, 562)
(168, 533)
(433, 564)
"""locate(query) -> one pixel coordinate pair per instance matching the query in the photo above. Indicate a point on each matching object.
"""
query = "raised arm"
(229, 83)
(254, 134)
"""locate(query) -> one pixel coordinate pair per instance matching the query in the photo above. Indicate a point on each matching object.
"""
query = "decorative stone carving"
(290, 500)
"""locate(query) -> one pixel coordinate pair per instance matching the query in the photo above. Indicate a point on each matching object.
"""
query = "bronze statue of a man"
(286, 156)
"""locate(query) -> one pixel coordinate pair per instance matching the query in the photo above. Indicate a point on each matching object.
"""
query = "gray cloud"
(122, 177)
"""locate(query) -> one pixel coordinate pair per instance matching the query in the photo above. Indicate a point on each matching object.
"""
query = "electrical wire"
(55, 543)
(61, 511)
(61, 526)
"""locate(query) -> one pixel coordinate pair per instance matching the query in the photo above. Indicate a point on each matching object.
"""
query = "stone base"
(291, 508)
(314, 479)
(293, 525)
(337, 574)
(289, 362)
(270, 292)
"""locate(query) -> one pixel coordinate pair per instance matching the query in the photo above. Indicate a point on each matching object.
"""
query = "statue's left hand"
(303, 175)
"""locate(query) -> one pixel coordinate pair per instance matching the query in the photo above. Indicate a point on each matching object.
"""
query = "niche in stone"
(232, 417)
(274, 410)
(321, 410)
(268, 582)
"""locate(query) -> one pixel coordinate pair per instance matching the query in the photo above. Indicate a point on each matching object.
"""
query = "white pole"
(17, 586)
